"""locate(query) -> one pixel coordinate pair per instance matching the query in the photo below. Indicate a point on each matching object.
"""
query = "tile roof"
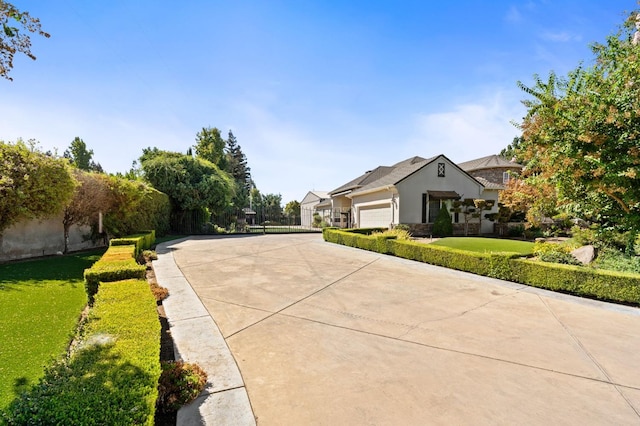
(488, 162)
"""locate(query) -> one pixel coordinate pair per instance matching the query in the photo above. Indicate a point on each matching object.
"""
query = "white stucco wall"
(427, 179)
(487, 225)
(34, 238)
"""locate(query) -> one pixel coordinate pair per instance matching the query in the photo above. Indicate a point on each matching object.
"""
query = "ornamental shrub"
(179, 384)
(442, 227)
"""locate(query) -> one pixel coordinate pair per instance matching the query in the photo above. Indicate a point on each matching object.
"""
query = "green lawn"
(40, 303)
(483, 245)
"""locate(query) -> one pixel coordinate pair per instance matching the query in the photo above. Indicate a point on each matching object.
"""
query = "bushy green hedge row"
(112, 377)
(580, 280)
(583, 281)
(118, 263)
(139, 206)
(141, 241)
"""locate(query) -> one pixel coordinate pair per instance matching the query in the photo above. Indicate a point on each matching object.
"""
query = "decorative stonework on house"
(493, 168)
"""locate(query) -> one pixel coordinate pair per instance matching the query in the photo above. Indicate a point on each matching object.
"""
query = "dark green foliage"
(240, 172)
(516, 231)
(443, 227)
(180, 383)
(191, 183)
(112, 377)
(606, 285)
(81, 157)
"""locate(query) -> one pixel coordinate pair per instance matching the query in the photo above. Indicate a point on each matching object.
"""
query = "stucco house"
(412, 192)
(312, 203)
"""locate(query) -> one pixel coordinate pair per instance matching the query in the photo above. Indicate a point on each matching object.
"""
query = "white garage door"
(375, 216)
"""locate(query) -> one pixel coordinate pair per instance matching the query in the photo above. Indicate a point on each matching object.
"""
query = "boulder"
(585, 254)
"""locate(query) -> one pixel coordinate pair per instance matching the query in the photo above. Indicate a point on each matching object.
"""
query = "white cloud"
(513, 15)
(468, 130)
(560, 36)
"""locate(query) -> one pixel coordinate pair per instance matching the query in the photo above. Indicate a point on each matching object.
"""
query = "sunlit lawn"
(40, 303)
(483, 245)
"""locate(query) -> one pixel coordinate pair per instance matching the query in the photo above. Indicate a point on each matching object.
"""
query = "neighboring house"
(493, 168)
(411, 192)
(315, 202)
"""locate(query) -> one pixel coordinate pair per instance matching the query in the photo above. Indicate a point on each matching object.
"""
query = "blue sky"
(316, 92)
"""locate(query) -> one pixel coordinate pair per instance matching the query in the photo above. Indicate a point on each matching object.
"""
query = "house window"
(505, 177)
(434, 209)
(440, 169)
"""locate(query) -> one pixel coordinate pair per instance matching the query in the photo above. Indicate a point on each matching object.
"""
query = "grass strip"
(40, 303)
(112, 377)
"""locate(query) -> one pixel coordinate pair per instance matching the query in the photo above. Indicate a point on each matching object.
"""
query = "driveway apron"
(329, 335)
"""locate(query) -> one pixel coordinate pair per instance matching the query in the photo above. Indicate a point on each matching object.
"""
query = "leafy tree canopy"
(210, 146)
(582, 133)
(292, 209)
(32, 184)
(191, 183)
(13, 38)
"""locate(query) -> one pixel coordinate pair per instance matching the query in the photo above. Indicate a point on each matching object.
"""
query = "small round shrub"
(179, 384)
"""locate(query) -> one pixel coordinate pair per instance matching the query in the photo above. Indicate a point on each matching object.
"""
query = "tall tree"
(32, 184)
(272, 205)
(210, 146)
(92, 195)
(13, 38)
(81, 157)
(239, 170)
(292, 209)
(583, 132)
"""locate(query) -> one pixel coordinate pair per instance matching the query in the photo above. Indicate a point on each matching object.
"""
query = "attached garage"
(378, 216)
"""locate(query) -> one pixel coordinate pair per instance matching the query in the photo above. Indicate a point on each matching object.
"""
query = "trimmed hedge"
(582, 281)
(579, 280)
(142, 241)
(112, 378)
(117, 263)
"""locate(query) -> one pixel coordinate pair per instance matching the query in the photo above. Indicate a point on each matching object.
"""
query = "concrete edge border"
(197, 338)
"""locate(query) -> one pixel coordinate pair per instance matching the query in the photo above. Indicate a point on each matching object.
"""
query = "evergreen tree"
(237, 167)
(81, 157)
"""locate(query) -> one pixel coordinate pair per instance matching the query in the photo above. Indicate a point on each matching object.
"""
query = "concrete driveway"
(328, 335)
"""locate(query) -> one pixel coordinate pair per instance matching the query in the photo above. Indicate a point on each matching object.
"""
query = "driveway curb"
(197, 339)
